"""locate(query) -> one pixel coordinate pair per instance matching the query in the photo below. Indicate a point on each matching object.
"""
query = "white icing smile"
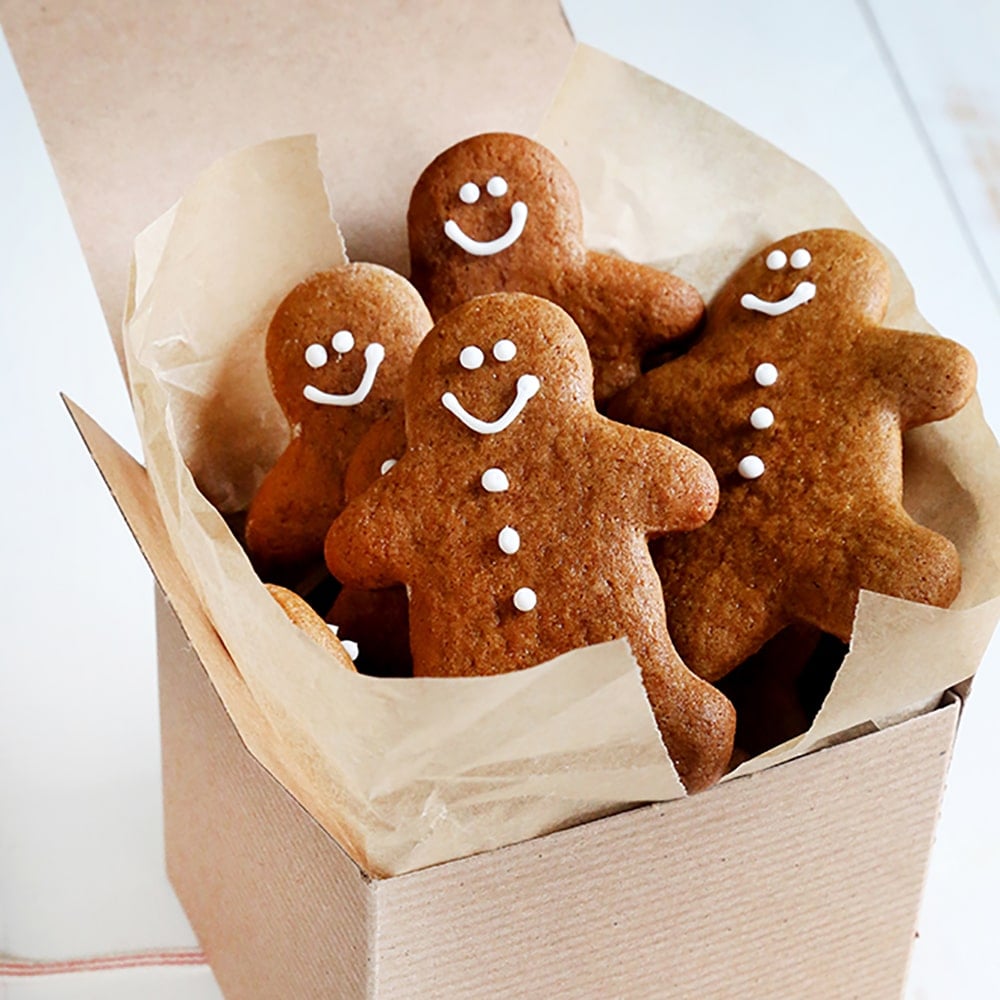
(527, 387)
(481, 248)
(374, 355)
(803, 293)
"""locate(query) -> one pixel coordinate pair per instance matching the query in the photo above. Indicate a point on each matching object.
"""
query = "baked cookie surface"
(518, 517)
(798, 397)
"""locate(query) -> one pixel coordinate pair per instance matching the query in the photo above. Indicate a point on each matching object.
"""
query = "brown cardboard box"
(799, 880)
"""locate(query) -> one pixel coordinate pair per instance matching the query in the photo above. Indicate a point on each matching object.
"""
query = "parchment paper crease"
(409, 773)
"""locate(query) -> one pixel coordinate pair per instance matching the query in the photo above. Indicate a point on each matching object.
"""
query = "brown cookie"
(499, 212)
(799, 397)
(337, 352)
(518, 517)
(302, 616)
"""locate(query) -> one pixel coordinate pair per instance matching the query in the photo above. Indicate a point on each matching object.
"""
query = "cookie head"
(501, 367)
(498, 200)
(341, 340)
(821, 270)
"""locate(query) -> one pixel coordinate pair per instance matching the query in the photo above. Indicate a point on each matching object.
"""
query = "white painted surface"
(866, 96)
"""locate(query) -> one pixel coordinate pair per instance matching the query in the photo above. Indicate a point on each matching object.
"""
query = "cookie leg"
(898, 557)
(697, 722)
(718, 613)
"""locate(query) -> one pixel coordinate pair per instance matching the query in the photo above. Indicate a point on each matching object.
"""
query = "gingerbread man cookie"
(518, 517)
(337, 352)
(499, 212)
(799, 398)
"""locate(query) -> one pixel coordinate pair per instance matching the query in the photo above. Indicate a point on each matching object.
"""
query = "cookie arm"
(670, 487)
(651, 400)
(369, 543)
(930, 376)
(657, 306)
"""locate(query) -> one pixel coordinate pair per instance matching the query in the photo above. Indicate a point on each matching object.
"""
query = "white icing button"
(801, 258)
(496, 186)
(343, 341)
(469, 193)
(525, 599)
(504, 350)
(495, 481)
(776, 260)
(751, 467)
(508, 540)
(316, 355)
(761, 418)
(386, 466)
(471, 358)
(765, 374)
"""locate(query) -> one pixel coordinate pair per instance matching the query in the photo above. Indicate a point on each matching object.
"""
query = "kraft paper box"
(498, 843)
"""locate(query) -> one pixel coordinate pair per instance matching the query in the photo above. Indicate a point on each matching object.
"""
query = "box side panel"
(800, 881)
(278, 907)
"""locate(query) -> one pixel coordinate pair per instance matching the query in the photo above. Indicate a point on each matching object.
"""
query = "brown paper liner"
(407, 773)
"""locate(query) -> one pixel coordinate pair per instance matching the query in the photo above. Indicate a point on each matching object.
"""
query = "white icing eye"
(765, 374)
(386, 466)
(469, 193)
(496, 186)
(316, 355)
(776, 260)
(471, 358)
(504, 350)
(343, 341)
(525, 599)
(801, 258)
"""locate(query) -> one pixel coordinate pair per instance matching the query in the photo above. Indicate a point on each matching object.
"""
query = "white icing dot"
(801, 258)
(386, 466)
(508, 540)
(469, 193)
(776, 260)
(504, 350)
(761, 418)
(525, 599)
(470, 358)
(343, 341)
(751, 467)
(316, 355)
(495, 481)
(765, 374)
(496, 186)
(350, 647)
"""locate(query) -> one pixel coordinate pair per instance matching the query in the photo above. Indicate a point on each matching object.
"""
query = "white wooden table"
(896, 103)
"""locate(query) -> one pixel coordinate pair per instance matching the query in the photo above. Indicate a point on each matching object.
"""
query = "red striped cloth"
(16, 968)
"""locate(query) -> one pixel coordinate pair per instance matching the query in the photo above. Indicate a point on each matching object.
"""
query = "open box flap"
(130, 486)
(134, 100)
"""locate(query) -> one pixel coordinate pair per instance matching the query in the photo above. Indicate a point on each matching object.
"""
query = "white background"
(875, 96)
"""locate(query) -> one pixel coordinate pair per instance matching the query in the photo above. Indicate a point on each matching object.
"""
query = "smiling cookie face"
(495, 211)
(819, 269)
(526, 359)
(341, 340)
